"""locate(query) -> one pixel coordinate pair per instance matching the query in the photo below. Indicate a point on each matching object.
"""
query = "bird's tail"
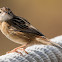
(47, 41)
(54, 44)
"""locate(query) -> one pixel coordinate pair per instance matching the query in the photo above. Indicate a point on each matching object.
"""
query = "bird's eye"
(10, 12)
(0, 12)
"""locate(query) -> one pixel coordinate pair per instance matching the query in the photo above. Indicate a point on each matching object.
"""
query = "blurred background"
(45, 15)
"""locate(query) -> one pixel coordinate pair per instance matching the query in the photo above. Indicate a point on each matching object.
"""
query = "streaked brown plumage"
(20, 30)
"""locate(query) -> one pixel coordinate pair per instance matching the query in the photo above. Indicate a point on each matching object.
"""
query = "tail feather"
(54, 44)
(47, 41)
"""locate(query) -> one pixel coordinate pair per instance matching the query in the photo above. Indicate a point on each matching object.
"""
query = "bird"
(20, 31)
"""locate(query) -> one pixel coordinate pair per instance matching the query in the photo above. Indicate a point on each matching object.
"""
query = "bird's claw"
(18, 50)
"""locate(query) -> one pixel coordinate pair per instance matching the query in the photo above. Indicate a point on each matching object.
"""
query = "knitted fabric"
(37, 53)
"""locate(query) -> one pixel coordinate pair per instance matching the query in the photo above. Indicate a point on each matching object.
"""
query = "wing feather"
(22, 25)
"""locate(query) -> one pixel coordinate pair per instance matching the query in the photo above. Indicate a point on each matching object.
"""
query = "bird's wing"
(19, 24)
(22, 25)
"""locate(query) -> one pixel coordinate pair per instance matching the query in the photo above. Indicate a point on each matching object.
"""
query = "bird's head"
(5, 14)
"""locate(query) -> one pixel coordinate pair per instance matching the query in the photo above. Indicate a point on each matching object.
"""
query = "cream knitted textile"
(37, 53)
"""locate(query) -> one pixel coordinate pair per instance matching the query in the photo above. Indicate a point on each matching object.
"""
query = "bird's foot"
(19, 50)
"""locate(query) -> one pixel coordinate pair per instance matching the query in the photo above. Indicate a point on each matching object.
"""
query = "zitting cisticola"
(19, 30)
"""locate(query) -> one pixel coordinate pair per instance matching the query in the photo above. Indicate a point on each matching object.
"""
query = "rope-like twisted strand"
(37, 53)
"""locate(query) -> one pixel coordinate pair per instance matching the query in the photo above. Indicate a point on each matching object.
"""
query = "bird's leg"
(22, 48)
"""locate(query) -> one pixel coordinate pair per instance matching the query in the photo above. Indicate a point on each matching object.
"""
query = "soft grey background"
(45, 15)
